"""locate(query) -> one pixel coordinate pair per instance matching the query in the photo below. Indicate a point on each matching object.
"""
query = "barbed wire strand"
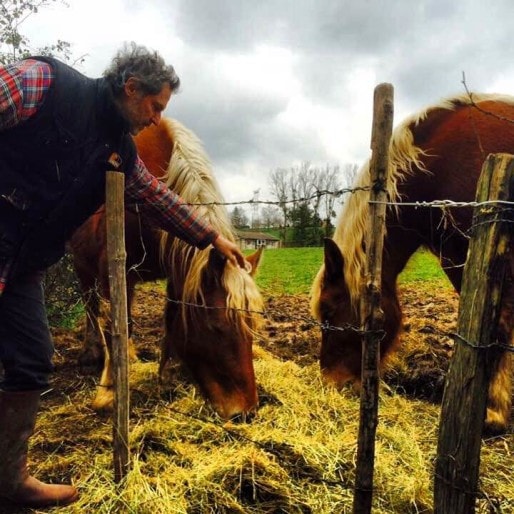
(325, 326)
(443, 203)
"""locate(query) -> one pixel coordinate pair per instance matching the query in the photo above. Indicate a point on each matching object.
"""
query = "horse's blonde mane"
(189, 175)
(404, 158)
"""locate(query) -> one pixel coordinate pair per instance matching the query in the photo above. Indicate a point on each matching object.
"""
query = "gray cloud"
(422, 48)
(340, 49)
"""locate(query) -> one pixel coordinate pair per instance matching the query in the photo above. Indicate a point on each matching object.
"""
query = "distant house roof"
(244, 234)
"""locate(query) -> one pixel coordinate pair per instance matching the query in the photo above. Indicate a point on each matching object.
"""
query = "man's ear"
(132, 86)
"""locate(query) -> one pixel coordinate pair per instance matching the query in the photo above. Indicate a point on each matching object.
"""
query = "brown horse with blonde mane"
(435, 155)
(211, 313)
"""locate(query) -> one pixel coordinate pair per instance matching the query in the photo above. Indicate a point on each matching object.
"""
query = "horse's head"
(212, 332)
(340, 357)
(339, 313)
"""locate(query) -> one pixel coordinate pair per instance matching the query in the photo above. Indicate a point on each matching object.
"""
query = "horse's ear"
(334, 261)
(254, 259)
(216, 261)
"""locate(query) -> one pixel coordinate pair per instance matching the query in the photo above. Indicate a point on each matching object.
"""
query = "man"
(59, 133)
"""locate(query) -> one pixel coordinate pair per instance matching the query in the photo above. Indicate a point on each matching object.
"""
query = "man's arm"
(168, 209)
(172, 214)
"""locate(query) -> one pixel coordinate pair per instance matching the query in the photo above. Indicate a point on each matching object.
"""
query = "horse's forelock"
(244, 300)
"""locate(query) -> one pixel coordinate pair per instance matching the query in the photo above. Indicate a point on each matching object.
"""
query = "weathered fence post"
(467, 381)
(117, 256)
(371, 313)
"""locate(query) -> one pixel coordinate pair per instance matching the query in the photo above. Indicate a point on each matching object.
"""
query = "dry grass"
(297, 456)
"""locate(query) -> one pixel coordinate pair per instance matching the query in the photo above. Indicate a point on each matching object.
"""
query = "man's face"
(142, 110)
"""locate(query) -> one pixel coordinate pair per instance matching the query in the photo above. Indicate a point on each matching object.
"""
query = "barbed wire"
(268, 313)
(304, 199)
(478, 108)
(495, 344)
(325, 326)
(442, 203)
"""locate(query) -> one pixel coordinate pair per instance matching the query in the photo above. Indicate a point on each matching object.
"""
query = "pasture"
(298, 454)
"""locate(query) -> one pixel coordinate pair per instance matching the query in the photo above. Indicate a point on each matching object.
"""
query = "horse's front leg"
(104, 399)
(500, 388)
(500, 396)
(92, 354)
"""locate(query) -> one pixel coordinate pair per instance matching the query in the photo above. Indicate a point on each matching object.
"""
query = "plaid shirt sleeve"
(167, 208)
(23, 85)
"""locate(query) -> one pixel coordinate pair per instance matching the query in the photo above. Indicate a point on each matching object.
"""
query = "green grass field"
(292, 270)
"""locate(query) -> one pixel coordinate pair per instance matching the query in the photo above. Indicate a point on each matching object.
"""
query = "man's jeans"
(26, 347)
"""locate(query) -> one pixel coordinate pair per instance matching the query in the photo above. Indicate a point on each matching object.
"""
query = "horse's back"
(456, 143)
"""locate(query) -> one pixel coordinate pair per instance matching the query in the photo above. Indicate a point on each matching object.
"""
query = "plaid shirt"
(22, 90)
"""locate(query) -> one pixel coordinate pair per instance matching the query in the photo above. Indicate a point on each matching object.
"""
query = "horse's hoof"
(132, 354)
(495, 424)
(104, 401)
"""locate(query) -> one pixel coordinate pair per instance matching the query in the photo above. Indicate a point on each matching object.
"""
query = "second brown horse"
(436, 154)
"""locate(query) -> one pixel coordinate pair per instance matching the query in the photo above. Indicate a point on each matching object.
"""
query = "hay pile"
(297, 456)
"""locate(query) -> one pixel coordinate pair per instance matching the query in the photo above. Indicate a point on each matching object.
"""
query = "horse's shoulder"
(154, 146)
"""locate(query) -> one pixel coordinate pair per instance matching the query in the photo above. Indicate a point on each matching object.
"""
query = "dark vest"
(52, 167)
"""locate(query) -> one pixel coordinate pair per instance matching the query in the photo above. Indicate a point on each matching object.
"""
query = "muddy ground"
(289, 333)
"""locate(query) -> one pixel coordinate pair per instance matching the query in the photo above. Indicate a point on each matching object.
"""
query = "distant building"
(249, 240)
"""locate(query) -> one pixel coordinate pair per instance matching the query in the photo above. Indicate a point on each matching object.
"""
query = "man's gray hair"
(147, 66)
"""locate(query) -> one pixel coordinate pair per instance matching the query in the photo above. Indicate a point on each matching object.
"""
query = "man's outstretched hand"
(231, 251)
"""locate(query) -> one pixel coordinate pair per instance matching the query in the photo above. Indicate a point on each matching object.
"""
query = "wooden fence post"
(371, 313)
(117, 256)
(467, 382)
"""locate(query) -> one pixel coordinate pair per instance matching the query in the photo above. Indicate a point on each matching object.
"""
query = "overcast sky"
(272, 83)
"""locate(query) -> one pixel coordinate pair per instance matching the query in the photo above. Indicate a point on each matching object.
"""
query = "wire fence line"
(445, 205)
(309, 321)
(440, 204)
(496, 207)
(318, 194)
(324, 326)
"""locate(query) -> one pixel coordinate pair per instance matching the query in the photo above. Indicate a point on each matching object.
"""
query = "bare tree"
(304, 187)
(349, 173)
(331, 182)
(270, 216)
(306, 180)
(319, 187)
(279, 182)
